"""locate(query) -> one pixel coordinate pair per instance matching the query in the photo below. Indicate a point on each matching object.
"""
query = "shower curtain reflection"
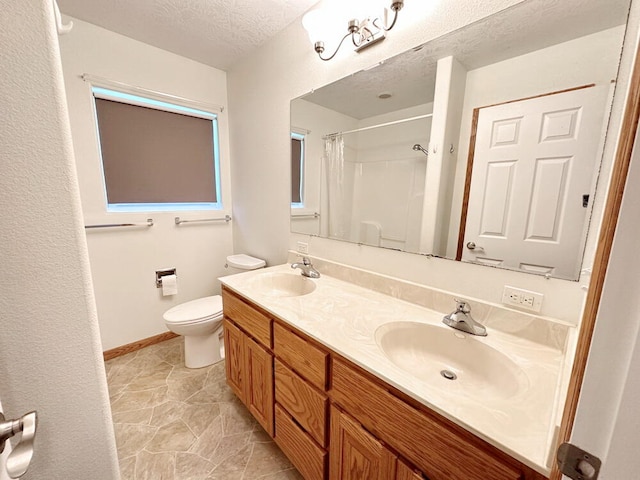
(334, 162)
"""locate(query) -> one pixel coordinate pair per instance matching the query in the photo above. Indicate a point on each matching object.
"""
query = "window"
(157, 155)
(297, 170)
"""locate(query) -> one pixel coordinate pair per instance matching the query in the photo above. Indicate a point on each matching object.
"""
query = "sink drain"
(448, 374)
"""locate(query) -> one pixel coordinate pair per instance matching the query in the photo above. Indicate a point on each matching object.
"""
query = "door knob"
(20, 457)
(473, 247)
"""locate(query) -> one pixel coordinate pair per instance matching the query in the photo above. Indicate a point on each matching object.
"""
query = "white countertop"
(344, 317)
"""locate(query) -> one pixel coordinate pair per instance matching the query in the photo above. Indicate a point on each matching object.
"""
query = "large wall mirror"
(484, 145)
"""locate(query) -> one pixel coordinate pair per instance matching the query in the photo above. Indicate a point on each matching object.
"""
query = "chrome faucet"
(461, 320)
(307, 268)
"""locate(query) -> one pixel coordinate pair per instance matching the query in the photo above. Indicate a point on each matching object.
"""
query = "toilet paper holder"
(162, 273)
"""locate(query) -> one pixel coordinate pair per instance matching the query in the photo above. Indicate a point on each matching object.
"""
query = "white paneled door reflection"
(534, 161)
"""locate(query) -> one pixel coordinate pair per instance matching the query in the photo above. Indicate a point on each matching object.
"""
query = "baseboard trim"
(132, 347)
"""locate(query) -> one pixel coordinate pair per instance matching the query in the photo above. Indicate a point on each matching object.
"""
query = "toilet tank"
(242, 263)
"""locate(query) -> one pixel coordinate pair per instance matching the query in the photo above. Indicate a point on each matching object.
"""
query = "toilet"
(200, 320)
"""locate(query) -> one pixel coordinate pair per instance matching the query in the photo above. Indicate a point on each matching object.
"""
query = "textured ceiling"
(410, 76)
(213, 32)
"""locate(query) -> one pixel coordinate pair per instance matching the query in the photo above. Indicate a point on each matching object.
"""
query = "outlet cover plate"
(303, 247)
(520, 298)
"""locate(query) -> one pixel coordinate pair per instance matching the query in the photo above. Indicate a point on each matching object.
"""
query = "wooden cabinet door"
(234, 358)
(258, 385)
(355, 453)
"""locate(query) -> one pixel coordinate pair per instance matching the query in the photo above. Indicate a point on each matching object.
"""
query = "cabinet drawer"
(439, 451)
(306, 456)
(305, 404)
(303, 357)
(254, 322)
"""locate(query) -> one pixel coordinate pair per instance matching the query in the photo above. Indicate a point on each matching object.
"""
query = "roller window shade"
(154, 156)
(296, 170)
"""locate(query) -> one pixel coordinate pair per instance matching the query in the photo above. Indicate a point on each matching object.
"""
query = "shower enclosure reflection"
(385, 178)
(370, 175)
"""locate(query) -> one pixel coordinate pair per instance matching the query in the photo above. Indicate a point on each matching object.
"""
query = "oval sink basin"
(449, 359)
(283, 284)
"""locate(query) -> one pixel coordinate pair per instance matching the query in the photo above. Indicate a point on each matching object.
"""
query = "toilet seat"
(196, 311)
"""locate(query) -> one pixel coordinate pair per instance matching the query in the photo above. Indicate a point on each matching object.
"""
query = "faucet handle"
(462, 306)
(306, 261)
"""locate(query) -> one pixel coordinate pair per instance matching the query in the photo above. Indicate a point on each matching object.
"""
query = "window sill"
(163, 207)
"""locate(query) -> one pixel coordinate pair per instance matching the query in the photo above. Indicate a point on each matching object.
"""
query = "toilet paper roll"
(169, 285)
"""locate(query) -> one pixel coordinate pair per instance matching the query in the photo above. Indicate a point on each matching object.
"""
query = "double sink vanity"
(361, 379)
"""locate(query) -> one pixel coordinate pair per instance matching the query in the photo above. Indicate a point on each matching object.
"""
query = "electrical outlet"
(303, 247)
(518, 297)
(527, 300)
(512, 297)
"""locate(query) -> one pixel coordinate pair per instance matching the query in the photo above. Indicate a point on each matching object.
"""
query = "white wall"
(50, 352)
(260, 88)
(124, 261)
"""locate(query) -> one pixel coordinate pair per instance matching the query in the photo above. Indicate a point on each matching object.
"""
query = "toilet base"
(203, 350)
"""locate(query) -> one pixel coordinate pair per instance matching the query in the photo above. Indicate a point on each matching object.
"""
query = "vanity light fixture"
(363, 33)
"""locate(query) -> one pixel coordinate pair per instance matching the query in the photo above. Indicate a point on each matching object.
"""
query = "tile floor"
(174, 423)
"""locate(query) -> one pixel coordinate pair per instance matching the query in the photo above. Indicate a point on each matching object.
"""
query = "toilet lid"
(195, 310)
(245, 262)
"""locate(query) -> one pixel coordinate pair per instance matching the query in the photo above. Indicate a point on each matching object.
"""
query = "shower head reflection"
(418, 147)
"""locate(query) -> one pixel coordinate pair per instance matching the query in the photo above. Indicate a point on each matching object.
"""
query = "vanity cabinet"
(336, 421)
